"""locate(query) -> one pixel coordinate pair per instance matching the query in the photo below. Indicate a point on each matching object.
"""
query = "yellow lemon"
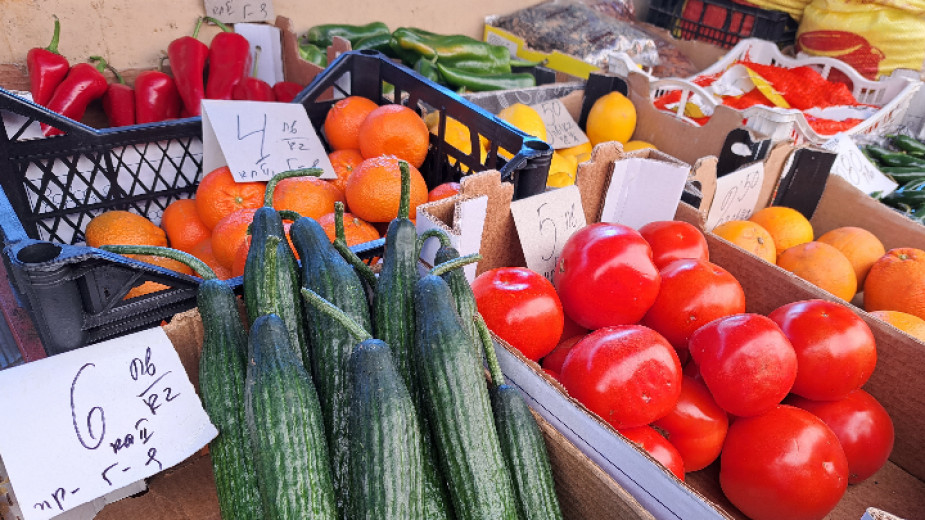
(612, 118)
(637, 145)
(524, 118)
(457, 136)
(577, 150)
(562, 170)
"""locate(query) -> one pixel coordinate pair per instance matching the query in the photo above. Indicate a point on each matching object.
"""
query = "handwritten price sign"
(234, 11)
(257, 140)
(81, 424)
(544, 222)
(561, 129)
(851, 165)
(736, 195)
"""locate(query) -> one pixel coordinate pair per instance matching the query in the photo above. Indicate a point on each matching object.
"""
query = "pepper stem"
(198, 26)
(404, 205)
(55, 38)
(115, 73)
(202, 269)
(257, 50)
(271, 184)
(455, 263)
(98, 62)
(494, 368)
(318, 302)
(215, 21)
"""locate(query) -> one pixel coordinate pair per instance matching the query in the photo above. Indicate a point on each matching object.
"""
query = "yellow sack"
(874, 38)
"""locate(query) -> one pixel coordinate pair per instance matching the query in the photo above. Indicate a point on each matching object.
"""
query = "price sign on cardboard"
(81, 424)
(561, 129)
(851, 165)
(736, 195)
(544, 222)
(234, 11)
(643, 190)
(257, 140)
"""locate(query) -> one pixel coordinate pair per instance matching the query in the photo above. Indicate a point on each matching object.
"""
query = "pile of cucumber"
(359, 395)
(902, 159)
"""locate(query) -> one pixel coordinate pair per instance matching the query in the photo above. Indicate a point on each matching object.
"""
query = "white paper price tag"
(234, 11)
(736, 195)
(643, 190)
(851, 165)
(81, 424)
(257, 140)
(544, 222)
(561, 129)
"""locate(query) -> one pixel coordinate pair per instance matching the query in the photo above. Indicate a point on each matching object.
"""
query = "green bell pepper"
(478, 81)
(453, 50)
(323, 35)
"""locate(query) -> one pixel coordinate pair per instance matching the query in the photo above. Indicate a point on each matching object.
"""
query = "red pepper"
(229, 62)
(119, 102)
(187, 57)
(47, 68)
(83, 84)
(156, 97)
(253, 88)
(286, 91)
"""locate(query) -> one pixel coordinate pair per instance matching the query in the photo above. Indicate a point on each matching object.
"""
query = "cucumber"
(456, 402)
(326, 273)
(456, 278)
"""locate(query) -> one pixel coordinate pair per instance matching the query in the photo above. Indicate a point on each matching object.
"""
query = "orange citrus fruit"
(183, 226)
(750, 237)
(374, 190)
(356, 230)
(821, 265)
(861, 247)
(896, 282)
(160, 261)
(123, 227)
(344, 162)
(612, 118)
(229, 233)
(307, 196)
(908, 323)
(343, 120)
(203, 251)
(218, 196)
(786, 225)
(395, 130)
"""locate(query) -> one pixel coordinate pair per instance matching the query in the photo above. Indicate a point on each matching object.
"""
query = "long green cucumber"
(456, 278)
(456, 401)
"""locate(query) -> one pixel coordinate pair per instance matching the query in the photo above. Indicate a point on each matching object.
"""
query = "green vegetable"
(908, 144)
(478, 82)
(887, 157)
(521, 442)
(453, 50)
(910, 195)
(456, 279)
(221, 386)
(457, 404)
(376, 42)
(904, 174)
(426, 68)
(327, 274)
(313, 54)
(323, 35)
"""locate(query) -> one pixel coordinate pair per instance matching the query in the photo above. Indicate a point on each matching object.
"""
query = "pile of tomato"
(642, 329)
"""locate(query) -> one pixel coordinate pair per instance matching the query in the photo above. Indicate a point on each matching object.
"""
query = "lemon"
(562, 170)
(612, 118)
(637, 145)
(524, 118)
(457, 136)
(577, 151)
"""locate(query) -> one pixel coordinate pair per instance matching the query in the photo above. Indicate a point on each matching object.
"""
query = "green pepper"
(908, 144)
(323, 35)
(477, 82)
(429, 70)
(453, 50)
(314, 54)
(890, 158)
(376, 42)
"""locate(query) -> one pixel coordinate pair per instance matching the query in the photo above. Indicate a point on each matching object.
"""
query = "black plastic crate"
(52, 187)
(721, 22)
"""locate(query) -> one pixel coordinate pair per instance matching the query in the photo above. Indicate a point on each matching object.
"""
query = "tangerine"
(787, 226)
(821, 265)
(395, 130)
(123, 227)
(160, 261)
(344, 162)
(750, 236)
(240, 258)
(896, 282)
(861, 247)
(356, 230)
(203, 251)
(218, 196)
(307, 196)
(908, 323)
(183, 226)
(374, 190)
(343, 120)
(229, 233)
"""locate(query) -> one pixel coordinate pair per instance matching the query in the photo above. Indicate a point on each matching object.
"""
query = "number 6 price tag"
(544, 222)
(79, 425)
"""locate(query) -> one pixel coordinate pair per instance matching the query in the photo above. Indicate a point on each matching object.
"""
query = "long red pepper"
(47, 68)
(119, 102)
(156, 97)
(229, 62)
(187, 57)
(286, 91)
(83, 84)
(253, 88)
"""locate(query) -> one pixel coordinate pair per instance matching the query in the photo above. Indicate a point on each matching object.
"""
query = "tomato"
(553, 361)
(605, 276)
(657, 446)
(696, 426)
(785, 463)
(671, 240)
(746, 362)
(862, 425)
(836, 351)
(692, 293)
(552, 373)
(571, 329)
(521, 307)
(627, 374)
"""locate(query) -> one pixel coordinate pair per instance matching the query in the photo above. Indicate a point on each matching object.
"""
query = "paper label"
(851, 165)
(234, 11)
(736, 195)
(561, 129)
(257, 140)
(84, 423)
(544, 222)
(270, 58)
(643, 190)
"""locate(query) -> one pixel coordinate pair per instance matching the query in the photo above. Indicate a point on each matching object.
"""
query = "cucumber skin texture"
(221, 385)
(286, 302)
(462, 291)
(457, 405)
(386, 466)
(525, 454)
(285, 427)
(328, 274)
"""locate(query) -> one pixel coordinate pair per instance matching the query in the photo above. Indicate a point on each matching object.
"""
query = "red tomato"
(657, 446)
(571, 329)
(836, 351)
(627, 374)
(671, 240)
(553, 361)
(696, 426)
(552, 373)
(692, 294)
(863, 428)
(521, 307)
(785, 463)
(746, 362)
(605, 276)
